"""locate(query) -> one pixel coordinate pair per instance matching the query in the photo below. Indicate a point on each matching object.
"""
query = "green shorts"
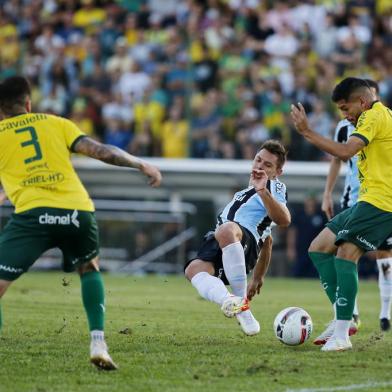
(29, 234)
(363, 225)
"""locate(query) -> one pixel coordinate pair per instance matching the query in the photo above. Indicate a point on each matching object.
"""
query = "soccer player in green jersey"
(52, 207)
(368, 223)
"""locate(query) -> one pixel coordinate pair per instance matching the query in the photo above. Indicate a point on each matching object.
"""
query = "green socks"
(93, 296)
(325, 265)
(347, 282)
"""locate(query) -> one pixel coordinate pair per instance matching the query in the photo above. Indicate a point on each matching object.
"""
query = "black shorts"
(211, 252)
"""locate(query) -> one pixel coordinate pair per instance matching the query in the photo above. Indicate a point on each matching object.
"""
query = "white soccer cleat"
(248, 323)
(325, 335)
(336, 344)
(323, 338)
(100, 357)
(233, 305)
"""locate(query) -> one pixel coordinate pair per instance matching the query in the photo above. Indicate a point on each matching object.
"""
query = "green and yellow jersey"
(374, 127)
(35, 165)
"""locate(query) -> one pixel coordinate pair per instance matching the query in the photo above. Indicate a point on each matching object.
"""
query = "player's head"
(353, 96)
(270, 158)
(15, 96)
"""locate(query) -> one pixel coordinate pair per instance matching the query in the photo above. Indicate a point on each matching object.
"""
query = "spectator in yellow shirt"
(175, 133)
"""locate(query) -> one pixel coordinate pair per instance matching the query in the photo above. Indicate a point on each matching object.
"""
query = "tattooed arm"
(115, 156)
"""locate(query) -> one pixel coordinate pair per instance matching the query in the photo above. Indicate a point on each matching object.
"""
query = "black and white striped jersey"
(247, 209)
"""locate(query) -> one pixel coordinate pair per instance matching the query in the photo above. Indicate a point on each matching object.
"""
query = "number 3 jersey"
(35, 164)
(248, 209)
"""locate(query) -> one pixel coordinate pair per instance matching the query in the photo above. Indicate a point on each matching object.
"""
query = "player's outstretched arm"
(115, 156)
(327, 203)
(344, 151)
(260, 269)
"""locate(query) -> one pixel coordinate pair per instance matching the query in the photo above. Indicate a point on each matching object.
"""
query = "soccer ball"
(293, 326)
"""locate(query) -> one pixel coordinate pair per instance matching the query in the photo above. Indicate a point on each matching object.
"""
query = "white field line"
(352, 387)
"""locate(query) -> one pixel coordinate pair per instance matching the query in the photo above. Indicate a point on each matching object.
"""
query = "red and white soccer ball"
(293, 326)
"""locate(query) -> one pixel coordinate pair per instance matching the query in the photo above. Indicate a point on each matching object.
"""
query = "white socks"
(97, 336)
(213, 289)
(233, 259)
(341, 329)
(385, 285)
(210, 288)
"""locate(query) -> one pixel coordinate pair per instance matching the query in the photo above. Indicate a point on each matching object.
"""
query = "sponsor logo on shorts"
(68, 219)
(343, 232)
(220, 273)
(12, 270)
(341, 301)
(366, 242)
(389, 241)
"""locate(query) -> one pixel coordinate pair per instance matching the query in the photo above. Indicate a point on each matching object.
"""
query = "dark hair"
(346, 87)
(372, 84)
(13, 93)
(275, 147)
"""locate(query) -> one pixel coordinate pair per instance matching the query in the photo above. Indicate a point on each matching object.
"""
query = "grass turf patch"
(165, 338)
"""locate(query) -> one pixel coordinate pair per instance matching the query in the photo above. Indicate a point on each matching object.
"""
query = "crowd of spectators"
(195, 78)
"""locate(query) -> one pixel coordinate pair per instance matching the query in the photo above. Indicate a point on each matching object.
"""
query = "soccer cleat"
(385, 324)
(325, 335)
(233, 305)
(100, 357)
(323, 338)
(248, 323)
(336, 344)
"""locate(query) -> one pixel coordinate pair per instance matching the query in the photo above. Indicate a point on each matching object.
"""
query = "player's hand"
(153, 173)
(254, 288)
(259, 179)
(300, 119)
(327, 206)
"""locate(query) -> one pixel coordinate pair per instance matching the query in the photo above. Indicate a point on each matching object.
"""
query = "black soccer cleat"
(385, 324)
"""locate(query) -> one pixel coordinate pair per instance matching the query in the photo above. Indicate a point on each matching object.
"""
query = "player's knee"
(195, 267)
(91, 266)
(349, 251)
(315, 246)
(228, 233)
(191, 270)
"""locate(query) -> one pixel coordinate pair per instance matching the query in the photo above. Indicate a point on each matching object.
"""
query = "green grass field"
(165, 338)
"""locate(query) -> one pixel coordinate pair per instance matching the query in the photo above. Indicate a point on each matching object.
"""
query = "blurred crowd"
(195, 78)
